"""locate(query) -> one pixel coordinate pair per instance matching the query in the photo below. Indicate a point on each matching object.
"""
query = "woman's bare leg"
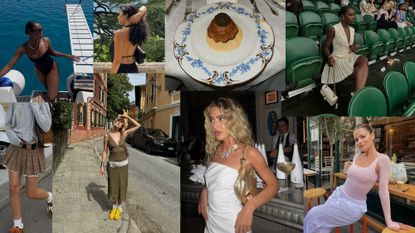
(52, 81)
(361, 72)
(14, 192)
(33, 191)
(40, 76)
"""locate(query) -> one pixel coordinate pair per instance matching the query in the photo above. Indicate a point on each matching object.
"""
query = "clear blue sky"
(137, 80)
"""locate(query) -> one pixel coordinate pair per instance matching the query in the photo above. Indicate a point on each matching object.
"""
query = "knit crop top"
(360, 180)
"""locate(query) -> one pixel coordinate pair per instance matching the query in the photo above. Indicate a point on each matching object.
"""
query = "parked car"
(152, 141)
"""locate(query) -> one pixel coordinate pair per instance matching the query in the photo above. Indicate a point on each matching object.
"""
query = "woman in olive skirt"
(25, 155)
(117, 166)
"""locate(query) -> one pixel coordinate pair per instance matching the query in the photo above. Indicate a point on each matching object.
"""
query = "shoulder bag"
(328, 94)
(245, 184)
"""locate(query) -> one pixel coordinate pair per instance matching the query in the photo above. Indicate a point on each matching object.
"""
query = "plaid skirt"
(25, 161)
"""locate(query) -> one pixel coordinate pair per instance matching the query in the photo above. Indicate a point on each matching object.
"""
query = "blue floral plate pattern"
(221, 69)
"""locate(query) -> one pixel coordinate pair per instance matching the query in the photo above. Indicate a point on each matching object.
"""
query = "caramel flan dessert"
(222, 28)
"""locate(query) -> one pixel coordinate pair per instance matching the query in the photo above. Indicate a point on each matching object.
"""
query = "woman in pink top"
(347, 204)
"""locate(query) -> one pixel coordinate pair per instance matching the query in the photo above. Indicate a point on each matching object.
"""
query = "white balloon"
(17, 79)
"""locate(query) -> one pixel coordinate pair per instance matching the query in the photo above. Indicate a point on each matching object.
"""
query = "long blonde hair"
(236, 122)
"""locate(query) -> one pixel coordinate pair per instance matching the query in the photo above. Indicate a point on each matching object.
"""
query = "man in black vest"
(285, 138)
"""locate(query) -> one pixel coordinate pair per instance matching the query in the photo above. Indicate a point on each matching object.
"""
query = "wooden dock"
(82, 43)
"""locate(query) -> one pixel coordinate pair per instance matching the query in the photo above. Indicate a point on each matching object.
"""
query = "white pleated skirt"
(342, 69)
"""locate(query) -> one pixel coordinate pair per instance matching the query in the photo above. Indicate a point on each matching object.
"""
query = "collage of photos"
(207, 116)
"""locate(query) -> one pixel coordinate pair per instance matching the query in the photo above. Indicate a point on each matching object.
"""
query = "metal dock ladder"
(82, 44)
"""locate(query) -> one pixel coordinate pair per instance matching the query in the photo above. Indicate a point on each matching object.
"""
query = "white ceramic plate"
(221, 69)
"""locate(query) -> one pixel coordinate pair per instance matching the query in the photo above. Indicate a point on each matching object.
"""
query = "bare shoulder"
(122, 31)
(46, 40)
(252, 153)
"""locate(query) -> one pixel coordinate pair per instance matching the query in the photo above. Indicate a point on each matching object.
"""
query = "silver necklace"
(37, 44)
(225, 154)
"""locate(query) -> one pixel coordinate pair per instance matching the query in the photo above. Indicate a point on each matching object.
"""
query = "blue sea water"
(52, 15)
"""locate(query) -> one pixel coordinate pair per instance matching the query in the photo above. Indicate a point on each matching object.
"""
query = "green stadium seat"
(370, 22)
(406, 38)
(359, 25)
(409, 70)
(334, 8)
(291, 25)
(375, 45)
(308, 5)
(368, 101)
(363, 49)
(321, 7)
(310, 25)
(329, 19)
(411, 31)
(394, 34)
(303, 62)
(396, 87)
(388, 42)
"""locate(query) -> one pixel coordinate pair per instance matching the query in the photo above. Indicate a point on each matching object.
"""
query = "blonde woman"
(117, 166)
(347, 204)
(228, 136)
(384, 18)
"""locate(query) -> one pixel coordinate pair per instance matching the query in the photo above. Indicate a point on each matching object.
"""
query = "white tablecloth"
(275, 66)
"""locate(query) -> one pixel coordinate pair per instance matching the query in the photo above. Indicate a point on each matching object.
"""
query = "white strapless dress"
(223, 205)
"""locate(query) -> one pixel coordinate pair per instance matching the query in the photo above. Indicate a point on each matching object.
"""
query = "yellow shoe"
(112, 213)
(117, 215)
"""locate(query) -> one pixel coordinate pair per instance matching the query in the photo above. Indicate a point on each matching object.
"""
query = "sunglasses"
(37, 30)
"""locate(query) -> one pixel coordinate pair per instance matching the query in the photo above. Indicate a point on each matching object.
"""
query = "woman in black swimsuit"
(39, 50)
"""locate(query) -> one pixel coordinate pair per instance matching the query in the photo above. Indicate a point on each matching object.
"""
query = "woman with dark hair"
(347, 204)
(342, 62)
(117, 166)
(128, 39)
(401, 16)
(39, 50)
